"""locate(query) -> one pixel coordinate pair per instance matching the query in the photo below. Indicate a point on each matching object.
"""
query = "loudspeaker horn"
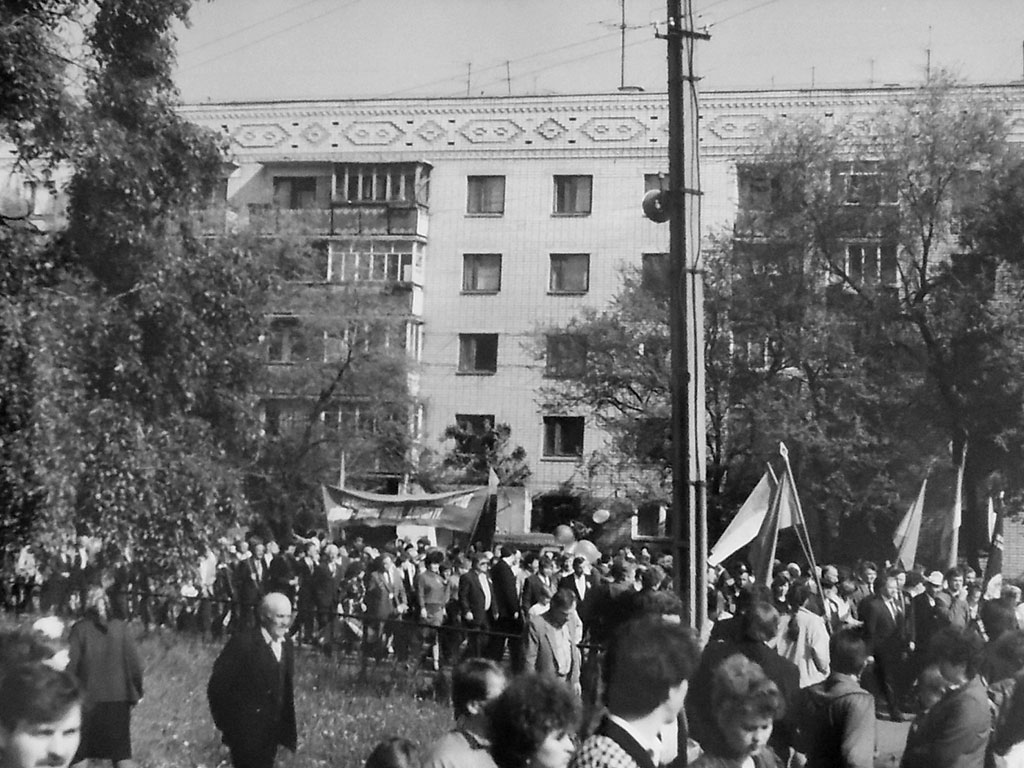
(655, 205)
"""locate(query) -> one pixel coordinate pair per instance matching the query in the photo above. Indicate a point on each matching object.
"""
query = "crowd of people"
(556, 659)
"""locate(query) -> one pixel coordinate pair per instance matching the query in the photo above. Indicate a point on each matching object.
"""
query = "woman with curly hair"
(533, 723)
(744, 706)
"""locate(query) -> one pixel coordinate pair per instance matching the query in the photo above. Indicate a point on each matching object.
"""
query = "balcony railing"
(363, 219)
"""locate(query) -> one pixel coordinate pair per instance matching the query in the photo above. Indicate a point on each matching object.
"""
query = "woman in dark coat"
(104, 659)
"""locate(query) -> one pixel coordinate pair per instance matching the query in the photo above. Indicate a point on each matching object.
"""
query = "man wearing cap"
(929, 612)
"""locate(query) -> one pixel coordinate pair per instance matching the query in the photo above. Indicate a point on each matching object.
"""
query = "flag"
(957, 517)
(909, 530)
(747, 522)
(783, 512)
(994, 567)
(991, 518)
(492, 482)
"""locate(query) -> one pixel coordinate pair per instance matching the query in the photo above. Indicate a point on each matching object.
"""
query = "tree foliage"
(864, 308)
(129, 345)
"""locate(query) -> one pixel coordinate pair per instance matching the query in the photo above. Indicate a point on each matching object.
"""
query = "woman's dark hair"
(740, 688)
(530, 709)
(394, 753)
(434, 556)
(799, 594)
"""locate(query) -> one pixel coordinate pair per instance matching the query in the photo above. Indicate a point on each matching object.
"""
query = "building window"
(286, 342)
(864, 183)
(563, 436)
(481, 272)
(486, 195)
(380, 266)
(566, 355)
(285, 417)
(759, 188)
(471, 433)
(572, 195)
(654, 272)
(296, 192)
(654, 181)
(478, 352)
(870, 264)
(570, 273)
(650, 521)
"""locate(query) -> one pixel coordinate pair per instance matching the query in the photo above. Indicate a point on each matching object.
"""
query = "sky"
(264, 50)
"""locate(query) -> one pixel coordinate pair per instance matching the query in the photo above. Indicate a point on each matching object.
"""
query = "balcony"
(342, 219)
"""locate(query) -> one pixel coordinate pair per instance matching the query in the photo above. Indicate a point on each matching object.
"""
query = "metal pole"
(686, 307)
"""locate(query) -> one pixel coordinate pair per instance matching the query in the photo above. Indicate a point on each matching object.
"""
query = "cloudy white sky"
(299, 49)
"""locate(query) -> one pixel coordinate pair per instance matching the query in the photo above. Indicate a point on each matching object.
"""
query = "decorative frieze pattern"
(731, 123)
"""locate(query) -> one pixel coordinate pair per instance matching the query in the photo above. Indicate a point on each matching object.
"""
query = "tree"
(337, 386)
(129, 345)
(843, 316)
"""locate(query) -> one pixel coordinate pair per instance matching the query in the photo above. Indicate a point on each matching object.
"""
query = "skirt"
(106, 732)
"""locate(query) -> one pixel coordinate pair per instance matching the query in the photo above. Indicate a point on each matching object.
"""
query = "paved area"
(892, 737)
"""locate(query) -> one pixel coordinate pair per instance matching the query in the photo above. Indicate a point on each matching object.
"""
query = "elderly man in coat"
(251, 691)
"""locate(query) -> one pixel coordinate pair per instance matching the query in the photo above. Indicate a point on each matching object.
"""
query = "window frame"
(565, 259)
(467, 358)
(560, 205)
(480, 200)
(569, 365)
(553, 448)
(466, 270)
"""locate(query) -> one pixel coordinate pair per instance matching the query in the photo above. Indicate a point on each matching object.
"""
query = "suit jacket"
(541, 637)
(506, 595)
(927, 619)
(251, 693)
(569, 582)
(247, 578)
(282, 574)
(380, 596)
(535, 590)
(887, 634)
(471, 600)
(325, 586)
(953, 733)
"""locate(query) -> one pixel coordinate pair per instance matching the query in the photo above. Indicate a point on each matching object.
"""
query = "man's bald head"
(276, 614)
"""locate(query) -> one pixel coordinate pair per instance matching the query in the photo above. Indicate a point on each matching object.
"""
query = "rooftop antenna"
(469, 73)
(812, 78)
(622, 46)
(871, 77)
(928, 57)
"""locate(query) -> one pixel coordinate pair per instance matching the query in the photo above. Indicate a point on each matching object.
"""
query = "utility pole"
(686, 319)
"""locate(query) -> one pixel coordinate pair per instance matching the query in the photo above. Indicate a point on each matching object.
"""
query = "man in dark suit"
(476, 602)
(508, 619)
(579, 582)
(251, 689)
(327, 579)
(283, 574)
(885, 623)
(248, 587)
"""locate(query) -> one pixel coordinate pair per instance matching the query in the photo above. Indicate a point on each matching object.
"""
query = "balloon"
(601, 516)
(588, 550)
(564, 535)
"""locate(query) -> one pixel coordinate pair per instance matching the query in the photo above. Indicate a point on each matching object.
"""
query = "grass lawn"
(340, 719)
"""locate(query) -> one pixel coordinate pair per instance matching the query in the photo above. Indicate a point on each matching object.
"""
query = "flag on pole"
(991, 518)
(492, 482)
(747, 522)
(909, 531)
(782, 513)
(994, 567)
(958, 512)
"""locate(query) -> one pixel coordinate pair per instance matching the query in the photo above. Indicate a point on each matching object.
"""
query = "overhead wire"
(241, 30)
(276, 32)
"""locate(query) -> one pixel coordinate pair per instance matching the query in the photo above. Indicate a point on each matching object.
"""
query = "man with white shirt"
(650, 662)
(251, 689)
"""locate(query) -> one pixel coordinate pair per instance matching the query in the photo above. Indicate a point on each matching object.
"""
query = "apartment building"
(503, 218)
